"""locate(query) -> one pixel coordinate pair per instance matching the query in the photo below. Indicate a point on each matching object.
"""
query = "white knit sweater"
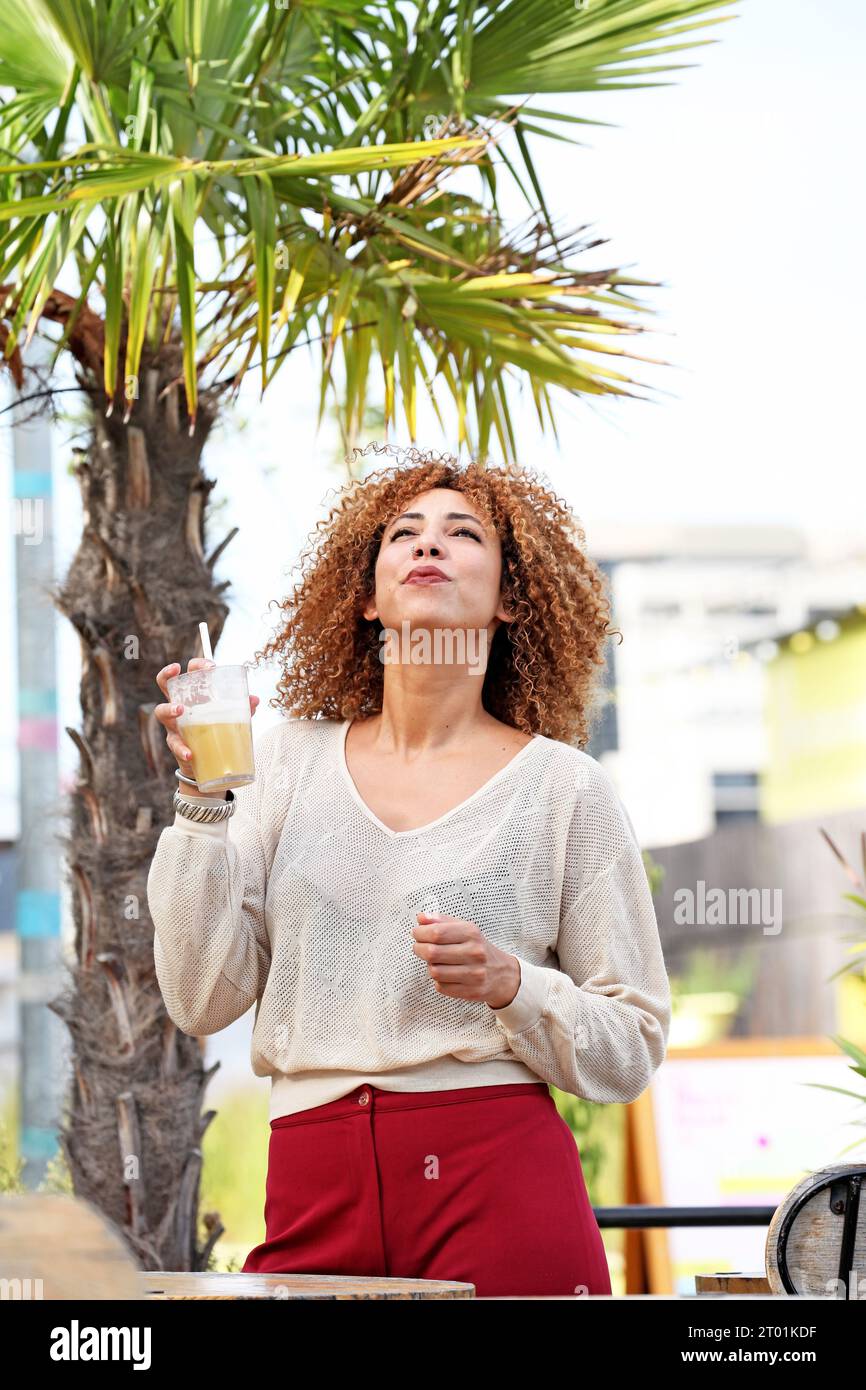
(302, 904)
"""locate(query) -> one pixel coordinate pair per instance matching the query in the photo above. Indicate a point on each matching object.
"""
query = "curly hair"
(543, 666)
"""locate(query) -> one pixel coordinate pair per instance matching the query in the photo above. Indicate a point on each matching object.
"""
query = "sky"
(739, 188)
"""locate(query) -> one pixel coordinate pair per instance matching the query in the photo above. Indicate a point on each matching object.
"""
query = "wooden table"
(164, 1285)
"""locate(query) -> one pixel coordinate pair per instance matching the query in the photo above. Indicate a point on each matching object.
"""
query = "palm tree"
(189, 191)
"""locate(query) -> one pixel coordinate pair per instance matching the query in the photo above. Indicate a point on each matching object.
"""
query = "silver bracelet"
(190, 781)
(191, 810)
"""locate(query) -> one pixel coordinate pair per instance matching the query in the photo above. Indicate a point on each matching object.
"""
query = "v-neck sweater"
(302, 904)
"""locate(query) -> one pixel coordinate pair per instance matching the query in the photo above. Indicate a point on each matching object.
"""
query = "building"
(815, 715)
(700, 608)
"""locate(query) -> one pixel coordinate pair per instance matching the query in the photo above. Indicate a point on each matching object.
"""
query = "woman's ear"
(503, 612)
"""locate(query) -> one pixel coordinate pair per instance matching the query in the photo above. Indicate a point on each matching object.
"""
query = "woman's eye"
(461, 531)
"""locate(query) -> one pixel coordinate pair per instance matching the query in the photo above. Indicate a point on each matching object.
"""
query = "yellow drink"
(219, 736)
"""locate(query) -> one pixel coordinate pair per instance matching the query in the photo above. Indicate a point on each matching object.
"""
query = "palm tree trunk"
(135, 592)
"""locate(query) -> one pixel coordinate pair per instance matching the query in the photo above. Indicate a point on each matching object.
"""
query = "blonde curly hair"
(543, 667)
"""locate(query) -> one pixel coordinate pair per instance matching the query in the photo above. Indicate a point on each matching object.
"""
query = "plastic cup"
(216, 724)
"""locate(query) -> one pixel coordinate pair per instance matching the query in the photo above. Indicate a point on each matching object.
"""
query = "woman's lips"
(427, 579)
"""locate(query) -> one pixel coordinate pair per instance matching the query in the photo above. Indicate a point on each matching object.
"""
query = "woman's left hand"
(461, 961)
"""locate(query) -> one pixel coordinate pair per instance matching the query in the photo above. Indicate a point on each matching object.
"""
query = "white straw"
(207, 649)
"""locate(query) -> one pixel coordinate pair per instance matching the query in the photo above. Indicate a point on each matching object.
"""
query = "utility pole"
(42, 1041)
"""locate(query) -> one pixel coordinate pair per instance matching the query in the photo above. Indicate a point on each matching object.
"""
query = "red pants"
(480, 1184)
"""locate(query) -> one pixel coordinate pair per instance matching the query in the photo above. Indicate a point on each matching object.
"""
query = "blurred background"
(729, 517)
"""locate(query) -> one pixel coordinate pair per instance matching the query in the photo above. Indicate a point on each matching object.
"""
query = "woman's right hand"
(168, 715)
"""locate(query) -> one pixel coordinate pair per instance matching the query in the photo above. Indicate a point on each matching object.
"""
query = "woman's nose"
(419, 547)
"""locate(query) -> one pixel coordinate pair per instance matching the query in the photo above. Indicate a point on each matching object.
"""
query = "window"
(735, 796)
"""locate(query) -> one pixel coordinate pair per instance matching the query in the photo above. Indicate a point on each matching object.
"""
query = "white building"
(683, 737)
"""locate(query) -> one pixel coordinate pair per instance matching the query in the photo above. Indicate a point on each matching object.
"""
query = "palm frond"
(314, 146)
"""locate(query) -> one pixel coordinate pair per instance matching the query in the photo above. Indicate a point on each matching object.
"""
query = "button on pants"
(480, 1184)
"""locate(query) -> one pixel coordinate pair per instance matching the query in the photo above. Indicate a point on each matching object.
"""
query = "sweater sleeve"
(206, 890)
(597, 1027)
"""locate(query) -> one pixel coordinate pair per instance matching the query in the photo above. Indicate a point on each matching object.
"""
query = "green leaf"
(388, 333)
(261, 209)
(182, 222)
(295, 282)
(144, 241)
(114, 263)
(406, 356)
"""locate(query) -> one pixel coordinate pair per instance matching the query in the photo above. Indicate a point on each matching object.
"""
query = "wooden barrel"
(816, 1241)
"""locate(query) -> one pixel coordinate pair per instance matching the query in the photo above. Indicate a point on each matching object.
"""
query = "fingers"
(174, 669)
(164, 676)
(169, 711)
(167, 716)
(179, 749)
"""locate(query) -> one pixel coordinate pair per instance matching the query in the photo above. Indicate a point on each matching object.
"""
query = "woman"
(433, 897)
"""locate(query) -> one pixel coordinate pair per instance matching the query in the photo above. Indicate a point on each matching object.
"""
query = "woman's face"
(440, 528)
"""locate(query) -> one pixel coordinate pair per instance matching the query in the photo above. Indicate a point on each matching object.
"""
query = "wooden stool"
(53, 1246)
(167, 1285)
(817, 1238)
